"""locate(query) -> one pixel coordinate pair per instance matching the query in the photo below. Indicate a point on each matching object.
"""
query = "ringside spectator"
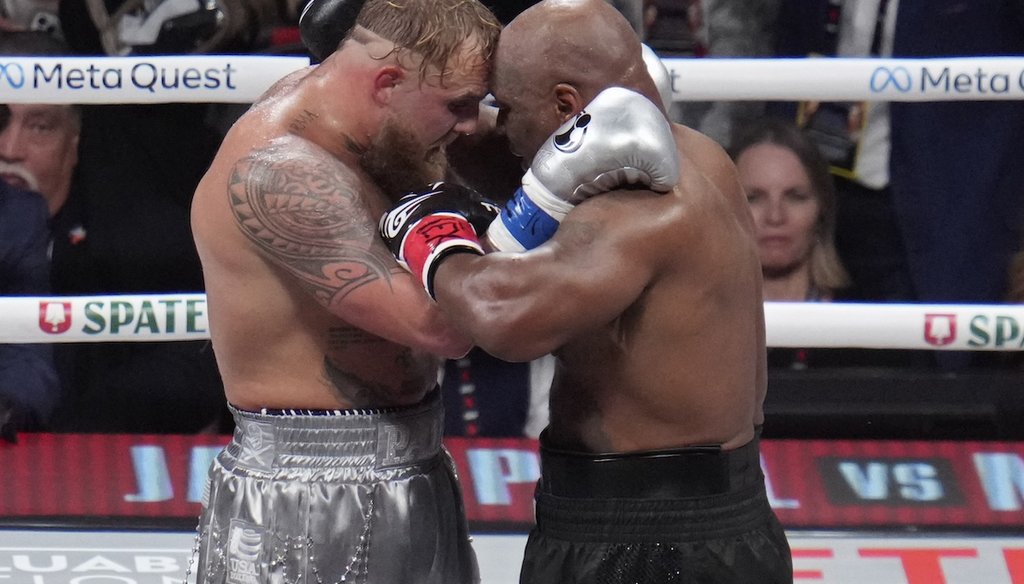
(118, 202)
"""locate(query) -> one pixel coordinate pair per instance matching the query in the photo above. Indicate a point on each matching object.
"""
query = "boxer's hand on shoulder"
(620, 138)
(425, 227)
(323, 23)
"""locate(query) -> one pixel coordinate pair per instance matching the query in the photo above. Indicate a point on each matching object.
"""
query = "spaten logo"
(939, 329)
(13, 74)
(54, 317)
(898, 77)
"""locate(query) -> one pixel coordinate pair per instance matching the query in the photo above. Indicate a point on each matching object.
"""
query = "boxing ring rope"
(179, 317)
(242, 78)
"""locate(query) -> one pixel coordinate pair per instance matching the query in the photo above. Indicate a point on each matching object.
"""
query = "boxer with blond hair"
(329, 351)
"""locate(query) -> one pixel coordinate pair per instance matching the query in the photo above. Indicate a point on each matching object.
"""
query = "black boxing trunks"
(352, 496)
(689, 515)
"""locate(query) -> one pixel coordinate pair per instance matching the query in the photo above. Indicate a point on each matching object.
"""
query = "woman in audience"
(791, 195)
(793, 201)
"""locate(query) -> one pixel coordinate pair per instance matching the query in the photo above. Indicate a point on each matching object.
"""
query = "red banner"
(811, 484)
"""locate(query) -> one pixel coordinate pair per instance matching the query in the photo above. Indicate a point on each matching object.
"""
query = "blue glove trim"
(526, 221)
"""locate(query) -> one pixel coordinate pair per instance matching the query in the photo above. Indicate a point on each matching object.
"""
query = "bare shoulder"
(707, 157)
(309, 213)
(708, 174)
(281, 88)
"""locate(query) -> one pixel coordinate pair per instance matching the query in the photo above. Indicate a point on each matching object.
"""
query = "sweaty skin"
(307, 307)
(650, 302)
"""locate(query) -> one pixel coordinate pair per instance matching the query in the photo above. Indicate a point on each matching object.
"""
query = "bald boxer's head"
(554, 58)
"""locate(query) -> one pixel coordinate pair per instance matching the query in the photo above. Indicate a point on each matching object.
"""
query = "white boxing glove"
(620, 138)
(659, 73)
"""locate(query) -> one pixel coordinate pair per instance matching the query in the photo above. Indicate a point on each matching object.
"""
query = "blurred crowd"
(876, 202)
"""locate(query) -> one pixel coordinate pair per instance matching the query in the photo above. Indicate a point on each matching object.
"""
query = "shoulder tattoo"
(308, 216)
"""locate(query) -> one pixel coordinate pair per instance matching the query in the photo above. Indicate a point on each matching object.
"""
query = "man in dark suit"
(29, 389)
(945, 213)
(953, 199)
(117, 181)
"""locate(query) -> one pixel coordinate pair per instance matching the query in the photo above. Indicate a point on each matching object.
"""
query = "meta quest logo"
(13, 74)
(988, 79)
(150, 76)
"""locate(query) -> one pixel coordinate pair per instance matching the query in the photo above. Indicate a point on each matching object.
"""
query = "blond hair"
(434, 30)
(827, 271)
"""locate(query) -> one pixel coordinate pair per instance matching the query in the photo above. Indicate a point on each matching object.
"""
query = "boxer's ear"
(385, 82)
(568, 101)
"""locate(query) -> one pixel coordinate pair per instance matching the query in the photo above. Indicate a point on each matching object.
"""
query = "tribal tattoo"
(307, 214)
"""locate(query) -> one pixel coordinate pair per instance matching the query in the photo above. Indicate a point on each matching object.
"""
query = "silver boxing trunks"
(324, 499)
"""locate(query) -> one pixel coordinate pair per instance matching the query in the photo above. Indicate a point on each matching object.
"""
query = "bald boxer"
(651, 302)
(329, 351)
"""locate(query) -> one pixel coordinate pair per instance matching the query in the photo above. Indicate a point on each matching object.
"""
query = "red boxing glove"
(424, 228)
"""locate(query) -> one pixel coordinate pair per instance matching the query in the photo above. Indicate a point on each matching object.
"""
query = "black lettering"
(941, 82)
(56, 75)
(228, 70)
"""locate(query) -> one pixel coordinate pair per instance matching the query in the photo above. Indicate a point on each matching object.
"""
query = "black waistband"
(663, 474)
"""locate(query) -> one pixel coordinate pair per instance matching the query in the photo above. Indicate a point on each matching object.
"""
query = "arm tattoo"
(309, 218)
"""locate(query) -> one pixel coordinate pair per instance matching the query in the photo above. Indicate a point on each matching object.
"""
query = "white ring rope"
(847, 79)
(178, 317)
(157, 79)
(242, 78)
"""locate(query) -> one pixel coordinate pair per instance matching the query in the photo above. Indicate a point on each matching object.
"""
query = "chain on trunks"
(335, 498)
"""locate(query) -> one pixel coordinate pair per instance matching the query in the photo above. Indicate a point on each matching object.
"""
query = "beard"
(397, 163)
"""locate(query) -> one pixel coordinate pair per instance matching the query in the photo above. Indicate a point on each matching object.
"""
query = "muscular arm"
(520, 306)
(306, 213)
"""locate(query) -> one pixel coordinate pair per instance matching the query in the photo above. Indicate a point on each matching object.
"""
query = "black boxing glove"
(425, 227)
(323, 23)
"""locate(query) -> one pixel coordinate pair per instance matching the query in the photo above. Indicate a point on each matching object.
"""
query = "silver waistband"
(393, 438)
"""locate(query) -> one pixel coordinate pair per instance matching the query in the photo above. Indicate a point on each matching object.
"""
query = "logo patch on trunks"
(257, 450)
(245, 546)
(412, 439)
